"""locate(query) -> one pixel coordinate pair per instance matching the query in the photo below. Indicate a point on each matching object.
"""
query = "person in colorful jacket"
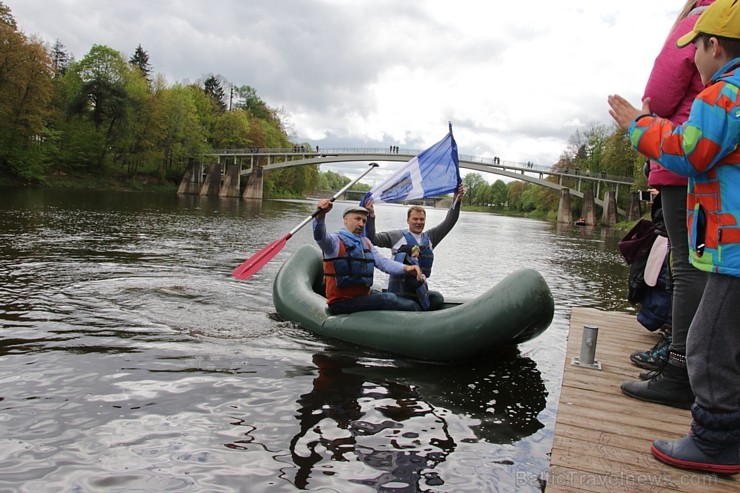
(415, 235)
(706, 149)
(672, 86)
(349, 263)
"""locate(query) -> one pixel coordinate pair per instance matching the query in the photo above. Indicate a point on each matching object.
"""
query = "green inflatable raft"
(517, 309)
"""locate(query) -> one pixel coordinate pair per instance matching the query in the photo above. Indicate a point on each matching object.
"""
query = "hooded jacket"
(672, 86)
(706, 149)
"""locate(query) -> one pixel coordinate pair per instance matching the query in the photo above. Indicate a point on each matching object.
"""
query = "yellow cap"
(722, 18)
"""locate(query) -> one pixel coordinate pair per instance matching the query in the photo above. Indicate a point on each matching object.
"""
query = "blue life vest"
(426, 256)
(354, 264)
(408, 286)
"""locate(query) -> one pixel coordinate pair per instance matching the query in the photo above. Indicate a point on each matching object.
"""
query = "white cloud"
(516, 79)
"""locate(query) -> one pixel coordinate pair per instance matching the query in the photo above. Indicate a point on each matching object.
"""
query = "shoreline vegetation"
(106, 121)
(123, 183)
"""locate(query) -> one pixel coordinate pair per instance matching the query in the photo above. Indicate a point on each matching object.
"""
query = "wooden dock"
(602, 437)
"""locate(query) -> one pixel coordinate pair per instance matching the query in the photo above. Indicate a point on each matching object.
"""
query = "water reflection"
(125, 342)
(394, 420)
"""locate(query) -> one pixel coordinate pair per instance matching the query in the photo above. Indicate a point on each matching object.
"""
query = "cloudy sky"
(516, 79)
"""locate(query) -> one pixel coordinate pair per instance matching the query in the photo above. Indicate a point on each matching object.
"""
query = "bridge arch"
(235, 163)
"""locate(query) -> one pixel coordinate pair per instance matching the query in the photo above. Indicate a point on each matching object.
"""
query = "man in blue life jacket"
(415, 235)
(349, 262)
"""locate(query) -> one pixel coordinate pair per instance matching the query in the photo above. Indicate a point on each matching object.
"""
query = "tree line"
(599, 150)
(106, 115)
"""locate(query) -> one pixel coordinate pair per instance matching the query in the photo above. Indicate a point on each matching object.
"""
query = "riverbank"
(90, 181)
(111, 181)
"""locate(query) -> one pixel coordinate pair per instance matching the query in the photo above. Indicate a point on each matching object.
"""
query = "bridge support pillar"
(609, 217)
(192, 180)
(231, 184)
(253, 190)
(588, 212)
(634, 210)
(564, 214)
(212, 183)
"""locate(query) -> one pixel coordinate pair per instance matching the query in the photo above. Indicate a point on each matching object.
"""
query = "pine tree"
(215, 91)
(60, 59)
(140, 59)
(6, 16)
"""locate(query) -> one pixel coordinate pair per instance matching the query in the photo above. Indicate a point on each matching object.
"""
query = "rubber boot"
(713, 445)
(670, 387)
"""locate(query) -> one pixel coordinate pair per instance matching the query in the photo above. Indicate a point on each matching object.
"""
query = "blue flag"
(434, 172)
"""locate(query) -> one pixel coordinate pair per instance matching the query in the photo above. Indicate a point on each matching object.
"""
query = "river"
(130, 359)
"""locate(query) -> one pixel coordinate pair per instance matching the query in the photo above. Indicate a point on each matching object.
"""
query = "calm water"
(130, 359)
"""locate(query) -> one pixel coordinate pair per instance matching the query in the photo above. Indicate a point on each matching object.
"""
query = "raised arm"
(437, 233)
(329, 244)
(385, 239)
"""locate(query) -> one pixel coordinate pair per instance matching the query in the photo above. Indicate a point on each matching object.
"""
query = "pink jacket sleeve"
(672, 86)
(671, 83)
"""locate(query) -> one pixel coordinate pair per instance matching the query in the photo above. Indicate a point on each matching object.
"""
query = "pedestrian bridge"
(222, 175)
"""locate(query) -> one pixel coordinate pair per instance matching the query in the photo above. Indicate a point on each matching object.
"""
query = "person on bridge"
(672, 86)
(349, 263)
(415, 235)
(706, 149)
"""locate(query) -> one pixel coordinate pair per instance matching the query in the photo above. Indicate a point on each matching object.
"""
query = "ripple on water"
(130, 360)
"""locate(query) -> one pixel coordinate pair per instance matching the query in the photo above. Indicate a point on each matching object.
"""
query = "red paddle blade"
(259, 259)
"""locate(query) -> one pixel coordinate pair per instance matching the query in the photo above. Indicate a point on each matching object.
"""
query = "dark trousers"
(713, 346)
(374, 301)
(688, 282)
(436, 300)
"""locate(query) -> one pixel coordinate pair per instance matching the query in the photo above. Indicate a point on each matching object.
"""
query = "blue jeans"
(374, 301)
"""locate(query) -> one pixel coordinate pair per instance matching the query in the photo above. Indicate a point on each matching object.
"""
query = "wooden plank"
(602, 437)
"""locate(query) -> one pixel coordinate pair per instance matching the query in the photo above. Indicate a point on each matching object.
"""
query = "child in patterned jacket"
(706, 149)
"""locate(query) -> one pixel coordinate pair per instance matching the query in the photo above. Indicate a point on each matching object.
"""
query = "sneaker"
(654, 358)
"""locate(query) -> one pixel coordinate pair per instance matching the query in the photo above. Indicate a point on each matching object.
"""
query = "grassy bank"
(92, 181)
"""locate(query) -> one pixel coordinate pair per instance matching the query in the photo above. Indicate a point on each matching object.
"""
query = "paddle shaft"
(259, 259)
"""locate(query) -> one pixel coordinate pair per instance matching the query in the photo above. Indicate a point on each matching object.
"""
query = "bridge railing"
(493, 161)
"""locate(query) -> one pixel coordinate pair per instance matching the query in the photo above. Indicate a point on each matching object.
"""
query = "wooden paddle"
(259, 259)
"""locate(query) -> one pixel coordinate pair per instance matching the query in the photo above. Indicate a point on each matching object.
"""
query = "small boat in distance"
(581, 221)
(517, 309)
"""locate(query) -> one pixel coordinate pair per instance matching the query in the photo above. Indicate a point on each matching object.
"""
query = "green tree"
(620, 159)
(60, 58)
(25, 91)
(140, 60)
(514, 197)
(215, 91)
(329, 180)
(101, 99)
(184, 136)
(529, 200)
(499, 193)
(231, 130)
(482, 194)
(597, 136)
(136, 143)
(253, 104)
(6, 17)
(473, 183)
